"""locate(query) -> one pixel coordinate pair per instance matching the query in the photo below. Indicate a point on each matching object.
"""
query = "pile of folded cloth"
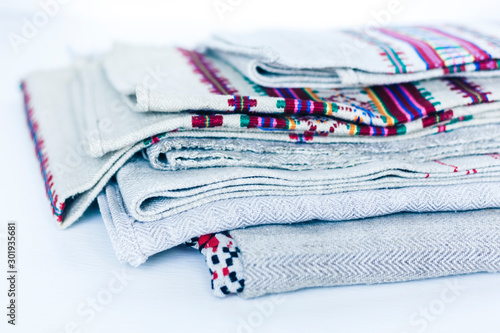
(288, 159)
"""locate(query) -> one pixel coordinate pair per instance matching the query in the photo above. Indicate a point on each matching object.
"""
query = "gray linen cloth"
(135, 241)
(394, 248)
(188, 153)
(151, 194)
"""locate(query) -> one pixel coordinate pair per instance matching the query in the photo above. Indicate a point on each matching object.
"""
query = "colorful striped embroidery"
(305, 101)
(242, 103)
(364, 130)
(154, 139)
(303, 107)
(57, 207)
(294, 93)
(343, 96)
(210, 75)
(478, 66)
(487, 65)
(471, 48)
(205, 121)
(301, 138)
(459, 119)
(389, 54)
(437, 118)
(400, 102)
(490, 39)
(439, 49)
(425, 51)
(468, 90)
(286, 123)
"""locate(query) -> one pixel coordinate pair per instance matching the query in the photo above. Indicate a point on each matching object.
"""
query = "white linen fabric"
(347, 58)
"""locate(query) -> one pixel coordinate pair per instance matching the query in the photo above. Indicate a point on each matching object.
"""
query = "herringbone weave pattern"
(401, 247)
(135, 241)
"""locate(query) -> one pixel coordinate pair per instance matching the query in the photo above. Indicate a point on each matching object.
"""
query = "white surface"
(60, 270)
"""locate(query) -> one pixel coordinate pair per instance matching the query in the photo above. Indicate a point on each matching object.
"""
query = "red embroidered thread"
(468, 90)
(57, 207)
(210, 75)
(242, 103)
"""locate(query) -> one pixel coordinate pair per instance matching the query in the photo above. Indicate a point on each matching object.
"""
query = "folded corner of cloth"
(354, 57)
(261, 260)
(158, 216)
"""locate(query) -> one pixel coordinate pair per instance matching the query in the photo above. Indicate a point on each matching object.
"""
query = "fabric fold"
(84, 129)
(134, 241)
(187, 153)
(150, 194)
(249, 111)
(357, 57)
(184, 80)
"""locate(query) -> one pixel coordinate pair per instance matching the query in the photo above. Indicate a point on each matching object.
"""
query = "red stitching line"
(57, 208)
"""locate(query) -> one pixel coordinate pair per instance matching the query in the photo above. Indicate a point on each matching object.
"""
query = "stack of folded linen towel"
(280, 155)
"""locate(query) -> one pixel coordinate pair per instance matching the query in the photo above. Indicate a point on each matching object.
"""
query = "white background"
(59, 271)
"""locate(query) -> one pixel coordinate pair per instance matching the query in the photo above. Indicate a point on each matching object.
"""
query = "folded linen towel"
(307, 123)
(187, 153)
(278, 258)
(187, 80)
(134, 241)
(151, 194)
(384, 55)
(75, 115)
